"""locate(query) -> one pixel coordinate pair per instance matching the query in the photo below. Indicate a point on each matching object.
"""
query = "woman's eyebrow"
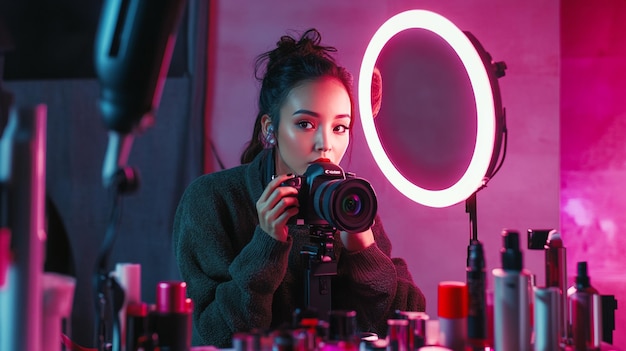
(315, 114)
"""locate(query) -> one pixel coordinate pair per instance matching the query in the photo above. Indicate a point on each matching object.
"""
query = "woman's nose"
(323, 141)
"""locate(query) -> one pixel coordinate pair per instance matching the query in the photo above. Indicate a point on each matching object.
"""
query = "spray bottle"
(585, 309)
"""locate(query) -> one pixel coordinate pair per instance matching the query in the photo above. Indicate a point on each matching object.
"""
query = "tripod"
(321, 266)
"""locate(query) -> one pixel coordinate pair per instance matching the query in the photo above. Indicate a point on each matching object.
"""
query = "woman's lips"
(321, 159)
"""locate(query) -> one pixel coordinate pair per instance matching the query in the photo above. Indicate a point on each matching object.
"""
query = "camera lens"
(346, 204)
(351, 204)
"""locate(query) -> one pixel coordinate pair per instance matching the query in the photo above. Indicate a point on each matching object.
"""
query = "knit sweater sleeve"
(375, 285)
(232, 268)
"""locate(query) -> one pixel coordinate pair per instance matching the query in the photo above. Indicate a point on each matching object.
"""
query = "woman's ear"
(266, 122)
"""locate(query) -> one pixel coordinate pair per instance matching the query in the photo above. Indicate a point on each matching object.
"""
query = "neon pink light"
(472, 179)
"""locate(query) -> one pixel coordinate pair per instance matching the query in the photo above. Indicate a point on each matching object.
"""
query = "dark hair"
(289, 64)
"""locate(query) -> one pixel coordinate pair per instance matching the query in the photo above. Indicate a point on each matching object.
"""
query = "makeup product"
(416, 336)
(58, 295)
(452, 307)
(397, 330)
(342, 331)
(476, 286)
(585, 312)
(547, 319)
(282, 340)
(240, 341)
(129, 277)
(136, 325)
(511, 303)
(171, 318)
(556, 276)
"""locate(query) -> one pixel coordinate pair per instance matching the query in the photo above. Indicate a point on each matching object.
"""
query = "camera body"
(328, 196)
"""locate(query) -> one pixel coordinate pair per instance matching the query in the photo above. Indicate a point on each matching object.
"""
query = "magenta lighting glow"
(473, 177)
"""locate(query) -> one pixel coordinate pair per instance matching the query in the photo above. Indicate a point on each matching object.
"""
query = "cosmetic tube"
(547, 319)
(452, 307)
(511, 303)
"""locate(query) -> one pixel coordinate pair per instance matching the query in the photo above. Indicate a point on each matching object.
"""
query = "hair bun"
(308, 44)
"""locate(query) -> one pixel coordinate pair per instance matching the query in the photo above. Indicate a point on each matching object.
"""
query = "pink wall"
(593, 143)
(559, 173)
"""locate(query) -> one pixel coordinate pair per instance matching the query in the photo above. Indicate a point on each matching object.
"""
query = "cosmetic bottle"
(585, 312)
(136, 325)
(556, 276)
(476, 286)
(452, 308)
(547, 321)
(342, 331)
(397, 334)
(416, 336)
(511, 303)
(171, 317)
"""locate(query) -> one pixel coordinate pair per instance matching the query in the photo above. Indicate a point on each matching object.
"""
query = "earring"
(270, 138)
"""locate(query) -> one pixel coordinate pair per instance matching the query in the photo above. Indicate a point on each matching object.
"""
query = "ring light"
(486, 99)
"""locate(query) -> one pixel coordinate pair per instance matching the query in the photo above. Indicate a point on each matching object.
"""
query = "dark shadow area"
(59, 258)
(55, 39)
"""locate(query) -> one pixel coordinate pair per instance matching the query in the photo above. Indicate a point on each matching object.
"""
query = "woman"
(234, 246)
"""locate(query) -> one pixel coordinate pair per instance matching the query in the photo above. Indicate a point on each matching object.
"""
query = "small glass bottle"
(584, 312)
(397, 330)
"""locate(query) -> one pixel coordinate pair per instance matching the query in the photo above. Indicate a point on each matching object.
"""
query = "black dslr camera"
(329, 196)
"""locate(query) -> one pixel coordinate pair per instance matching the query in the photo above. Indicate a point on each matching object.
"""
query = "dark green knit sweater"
(240, 278)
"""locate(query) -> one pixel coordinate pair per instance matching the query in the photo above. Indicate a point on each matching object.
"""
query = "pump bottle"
(511, 298)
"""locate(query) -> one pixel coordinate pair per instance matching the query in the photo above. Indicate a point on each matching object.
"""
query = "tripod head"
(321, 247)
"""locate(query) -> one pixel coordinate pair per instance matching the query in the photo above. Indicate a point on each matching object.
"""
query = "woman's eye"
(305, 125)
(341, 129)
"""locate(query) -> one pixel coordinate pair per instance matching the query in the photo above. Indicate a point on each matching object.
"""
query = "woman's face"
(314, 123)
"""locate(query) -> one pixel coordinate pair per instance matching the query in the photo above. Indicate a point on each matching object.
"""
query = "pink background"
(593, 145)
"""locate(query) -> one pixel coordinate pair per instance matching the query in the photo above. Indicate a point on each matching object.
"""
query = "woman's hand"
(357, 241)
(275, 206)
